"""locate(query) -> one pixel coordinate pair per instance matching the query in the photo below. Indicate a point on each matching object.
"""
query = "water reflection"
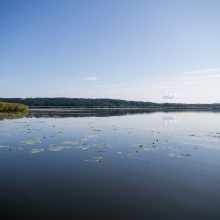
(101, 112)
(168, 120)
(59, 164)
(4, 116)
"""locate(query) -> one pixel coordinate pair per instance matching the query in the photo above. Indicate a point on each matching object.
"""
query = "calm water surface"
(110, 165)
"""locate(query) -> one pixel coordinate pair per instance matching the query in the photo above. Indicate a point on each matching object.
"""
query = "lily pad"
(37, 150)
(58, 148)
(31, 142)
(4, 147)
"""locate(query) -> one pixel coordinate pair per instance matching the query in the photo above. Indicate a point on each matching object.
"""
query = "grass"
(12, 107)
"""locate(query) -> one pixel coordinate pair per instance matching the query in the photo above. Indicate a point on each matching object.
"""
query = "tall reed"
(12, 107)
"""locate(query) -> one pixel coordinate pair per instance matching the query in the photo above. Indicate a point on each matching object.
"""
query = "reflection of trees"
(4, 116)
(86, 112)
(93, 112)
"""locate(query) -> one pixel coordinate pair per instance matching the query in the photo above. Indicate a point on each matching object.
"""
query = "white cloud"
(91, 78)
(169, 95)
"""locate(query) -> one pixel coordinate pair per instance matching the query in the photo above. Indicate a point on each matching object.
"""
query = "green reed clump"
(12, 107)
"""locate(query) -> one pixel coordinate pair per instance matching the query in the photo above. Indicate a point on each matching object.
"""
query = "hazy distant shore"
(107, 104)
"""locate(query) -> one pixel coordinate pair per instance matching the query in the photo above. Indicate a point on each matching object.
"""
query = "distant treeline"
(102, 103)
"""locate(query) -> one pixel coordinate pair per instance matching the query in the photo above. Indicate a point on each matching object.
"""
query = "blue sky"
(150, 50)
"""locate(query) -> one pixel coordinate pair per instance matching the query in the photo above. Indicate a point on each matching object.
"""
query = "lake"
(110, 164)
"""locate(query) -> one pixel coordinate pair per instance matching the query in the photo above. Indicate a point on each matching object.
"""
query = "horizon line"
(110, 99)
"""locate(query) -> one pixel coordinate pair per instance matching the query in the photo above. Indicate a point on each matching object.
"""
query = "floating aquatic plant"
(56, 148)
(36, 150)
(31, 142)
(4, 147)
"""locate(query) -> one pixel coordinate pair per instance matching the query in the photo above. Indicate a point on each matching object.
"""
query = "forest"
(103, 103)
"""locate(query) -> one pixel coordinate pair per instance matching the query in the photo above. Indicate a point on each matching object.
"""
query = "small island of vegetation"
(13, 107)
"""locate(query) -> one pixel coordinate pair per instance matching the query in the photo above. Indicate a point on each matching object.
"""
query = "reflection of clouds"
(169, 120)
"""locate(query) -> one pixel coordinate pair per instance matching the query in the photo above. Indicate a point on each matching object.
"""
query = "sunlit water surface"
(110, 166)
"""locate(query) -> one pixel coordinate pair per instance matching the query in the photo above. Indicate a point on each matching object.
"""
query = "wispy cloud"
(201, 75)
(202, 71)
(91, 78)
(182, 79)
